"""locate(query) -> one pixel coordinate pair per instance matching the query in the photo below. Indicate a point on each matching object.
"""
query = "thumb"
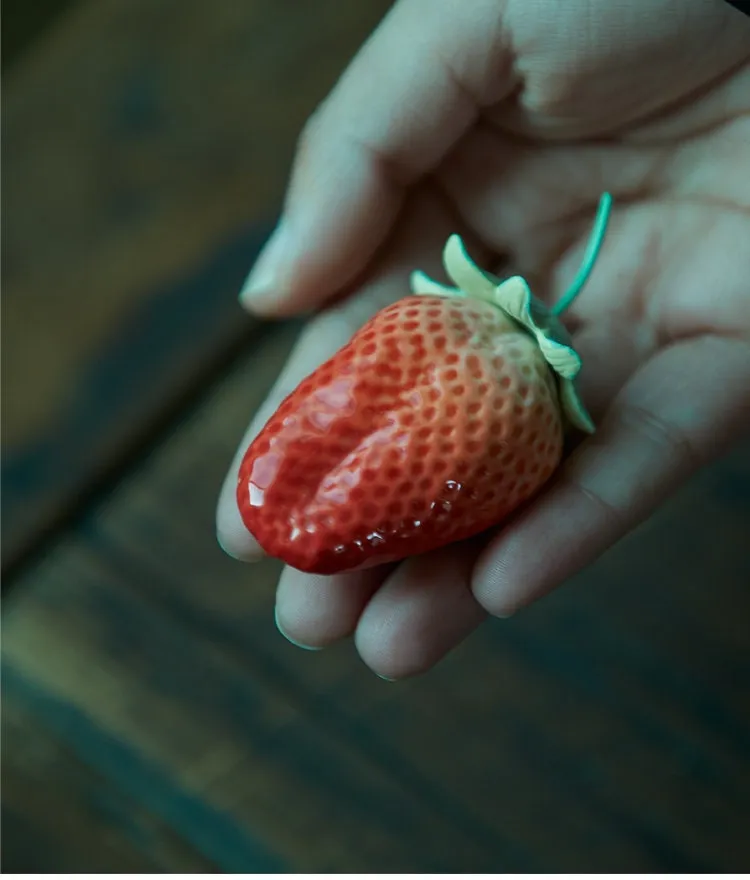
(415, 87)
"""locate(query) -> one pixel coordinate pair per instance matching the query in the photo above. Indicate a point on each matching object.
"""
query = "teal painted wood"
(140, 376)
(350, 809)
(60, 815)
(230, 848)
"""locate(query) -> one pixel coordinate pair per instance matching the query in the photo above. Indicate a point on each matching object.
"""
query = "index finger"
(411, 92)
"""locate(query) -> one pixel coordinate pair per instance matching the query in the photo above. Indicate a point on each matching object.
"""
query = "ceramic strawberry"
(442, 415)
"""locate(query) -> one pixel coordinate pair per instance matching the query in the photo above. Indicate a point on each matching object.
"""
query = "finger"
(420, 613)
(314, 611)
(417, 243)
(408, 96)
(680, 410)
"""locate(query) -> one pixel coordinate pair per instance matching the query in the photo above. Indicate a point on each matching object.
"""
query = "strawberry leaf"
(513, 296)
(573, 408)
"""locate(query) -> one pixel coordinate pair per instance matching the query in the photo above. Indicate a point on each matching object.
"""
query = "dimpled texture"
(434, 423)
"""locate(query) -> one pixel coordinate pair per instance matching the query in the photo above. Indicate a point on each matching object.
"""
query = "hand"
(504, 122)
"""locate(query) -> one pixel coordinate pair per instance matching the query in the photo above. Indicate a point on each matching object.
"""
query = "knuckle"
(612, 513)
(668, 437)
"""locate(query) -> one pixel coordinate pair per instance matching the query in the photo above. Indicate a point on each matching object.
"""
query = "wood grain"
(60, 815)
(149, 144)
(606, 729)
(153, 718)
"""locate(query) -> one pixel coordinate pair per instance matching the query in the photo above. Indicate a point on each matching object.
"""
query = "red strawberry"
(434, 423)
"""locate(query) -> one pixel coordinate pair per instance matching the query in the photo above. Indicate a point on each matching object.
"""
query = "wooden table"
(153, 719)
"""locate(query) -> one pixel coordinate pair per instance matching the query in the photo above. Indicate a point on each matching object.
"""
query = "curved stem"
(590, 257)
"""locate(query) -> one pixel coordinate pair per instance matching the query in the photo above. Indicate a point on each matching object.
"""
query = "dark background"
(23, 22)
(153, 719)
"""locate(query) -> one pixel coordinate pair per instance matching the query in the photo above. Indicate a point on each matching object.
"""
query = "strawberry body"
(434, 423)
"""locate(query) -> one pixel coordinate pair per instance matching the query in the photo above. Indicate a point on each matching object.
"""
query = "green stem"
(590, 257)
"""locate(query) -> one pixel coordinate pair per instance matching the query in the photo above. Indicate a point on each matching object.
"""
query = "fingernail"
(263, 281)
(296, 644)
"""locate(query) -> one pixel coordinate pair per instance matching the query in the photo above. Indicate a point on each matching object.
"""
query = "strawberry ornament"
(442, 415)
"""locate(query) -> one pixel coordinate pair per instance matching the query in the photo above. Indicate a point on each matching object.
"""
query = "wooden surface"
(149, 144)
(153, 718)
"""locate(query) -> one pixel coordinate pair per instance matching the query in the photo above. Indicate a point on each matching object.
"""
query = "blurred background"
(153, 719)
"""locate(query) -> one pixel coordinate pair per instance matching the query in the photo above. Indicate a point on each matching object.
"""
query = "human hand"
(504, 121)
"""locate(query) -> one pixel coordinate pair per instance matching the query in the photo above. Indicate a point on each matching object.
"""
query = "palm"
(667, 271)
(655, 326)
(675, 246)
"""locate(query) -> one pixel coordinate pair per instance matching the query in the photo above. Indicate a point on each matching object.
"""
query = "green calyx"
(514, 297)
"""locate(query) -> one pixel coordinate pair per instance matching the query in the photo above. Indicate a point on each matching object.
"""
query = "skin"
(504, 122)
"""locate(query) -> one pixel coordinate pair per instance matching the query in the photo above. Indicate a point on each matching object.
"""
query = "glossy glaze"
(434, 423)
